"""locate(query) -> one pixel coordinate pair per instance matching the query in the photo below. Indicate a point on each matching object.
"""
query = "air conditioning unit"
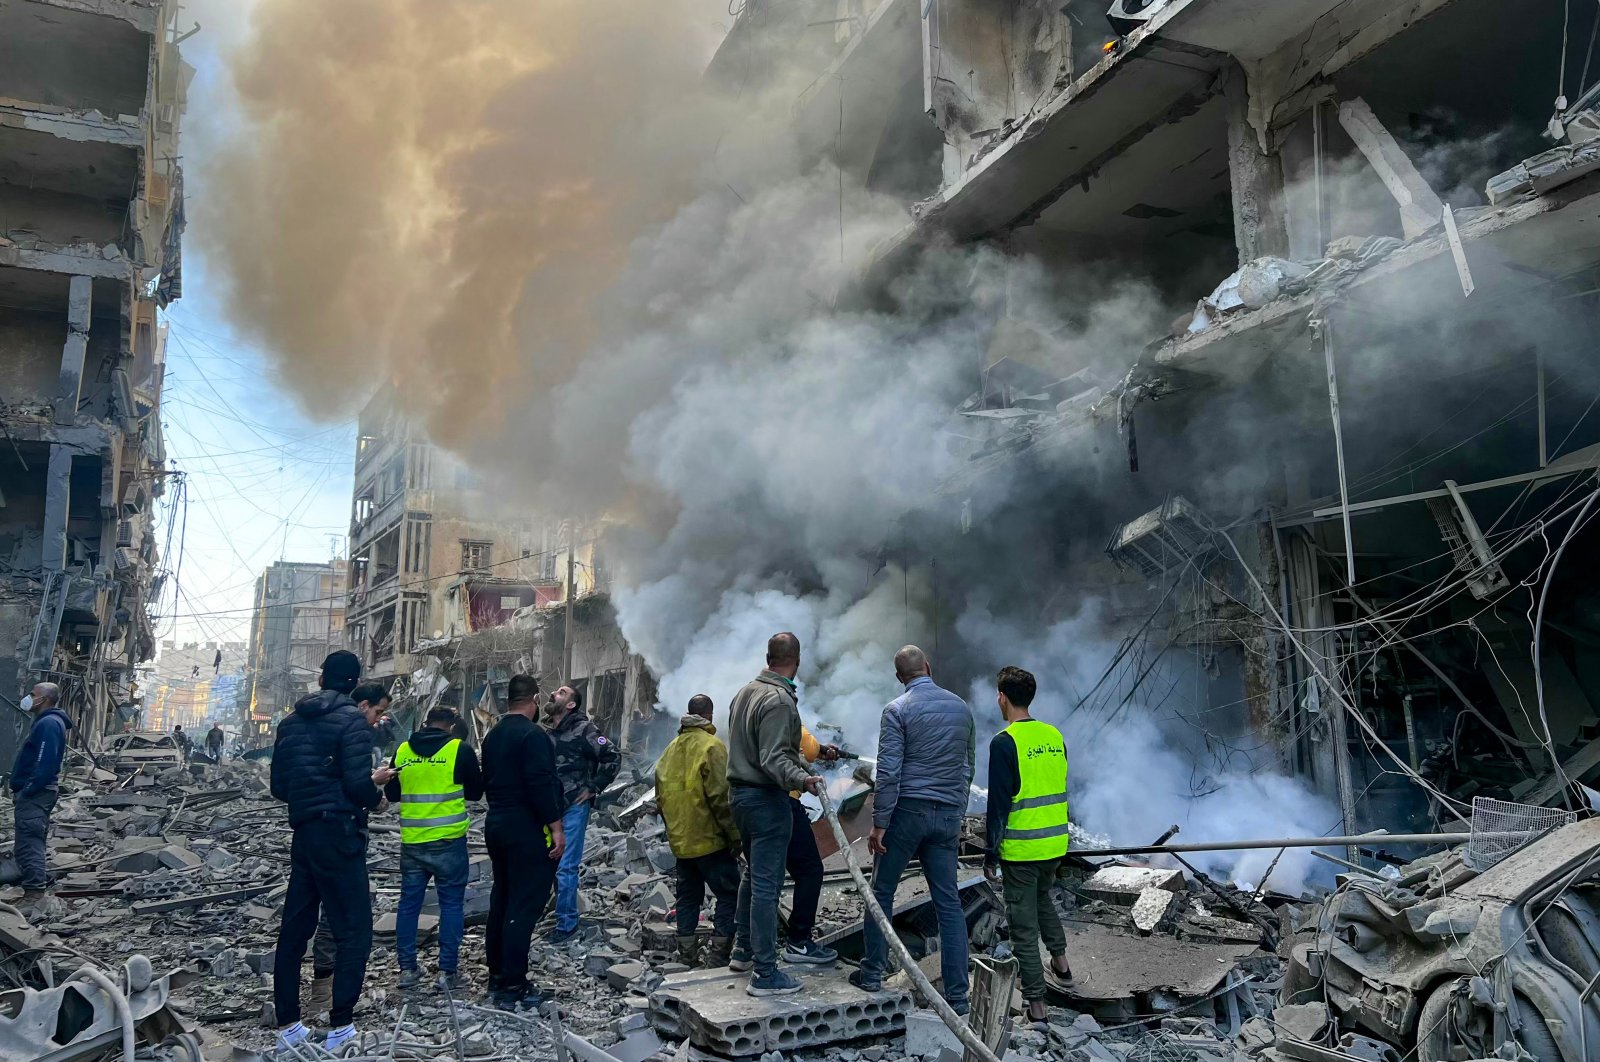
(1126, 16)
(1163, 539)
(126, 535)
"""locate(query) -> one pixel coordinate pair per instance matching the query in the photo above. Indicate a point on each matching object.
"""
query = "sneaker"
(337, 1038)
(961, 1008)
(865, 981)
(741, 960)
(563, 936)
(292, 1037)
(809, 951)
(409, 979)
(449, 981)
(779, 984)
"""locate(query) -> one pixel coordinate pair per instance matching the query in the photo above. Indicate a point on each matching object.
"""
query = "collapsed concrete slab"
(712, 1009)
(1123, 885)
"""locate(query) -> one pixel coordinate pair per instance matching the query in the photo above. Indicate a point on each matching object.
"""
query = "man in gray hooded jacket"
(927, 744)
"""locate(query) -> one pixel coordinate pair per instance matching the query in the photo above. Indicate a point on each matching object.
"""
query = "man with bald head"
(34, 775)
(927, 743)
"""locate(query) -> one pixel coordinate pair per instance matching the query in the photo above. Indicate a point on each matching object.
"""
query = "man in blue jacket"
(322, 769)
(927, 743)
(33, 784)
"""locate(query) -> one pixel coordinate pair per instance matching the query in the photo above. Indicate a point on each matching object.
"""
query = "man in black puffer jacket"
(322, 769)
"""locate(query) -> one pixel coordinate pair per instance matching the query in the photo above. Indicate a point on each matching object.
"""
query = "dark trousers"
(32, 817)
(327, 871)
(930, 832)
(765, 823)
(719, 871)
(322, 949)
(805, 867)
(1031, 910)
(524, 876)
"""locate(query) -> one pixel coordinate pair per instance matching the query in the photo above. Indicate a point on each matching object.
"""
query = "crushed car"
(1453, 962)
(153, 749)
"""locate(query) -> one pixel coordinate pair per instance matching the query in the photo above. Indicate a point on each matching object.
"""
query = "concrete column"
(57, 499)
(80, 296)
(1420, 208)
(1255, 178)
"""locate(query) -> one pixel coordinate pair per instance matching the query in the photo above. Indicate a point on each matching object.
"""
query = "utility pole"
(572, 592)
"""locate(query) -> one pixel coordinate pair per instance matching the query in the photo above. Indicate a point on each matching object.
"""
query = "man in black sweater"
(322, 769)
(525, 840)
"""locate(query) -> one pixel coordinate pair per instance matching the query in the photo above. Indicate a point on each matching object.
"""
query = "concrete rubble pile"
(183, 872)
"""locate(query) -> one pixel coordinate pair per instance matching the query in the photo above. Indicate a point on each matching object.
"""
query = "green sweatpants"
(1033, 916)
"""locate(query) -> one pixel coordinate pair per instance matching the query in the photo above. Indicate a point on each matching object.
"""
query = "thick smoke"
(620, 296)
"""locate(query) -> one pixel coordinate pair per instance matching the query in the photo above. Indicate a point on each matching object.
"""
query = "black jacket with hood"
(322, 761)
(585, 758)
(427, 741)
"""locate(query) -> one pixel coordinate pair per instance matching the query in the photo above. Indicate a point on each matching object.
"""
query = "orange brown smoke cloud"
(435, 192)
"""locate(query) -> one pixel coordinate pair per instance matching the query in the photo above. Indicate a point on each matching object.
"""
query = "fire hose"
(974, 1045)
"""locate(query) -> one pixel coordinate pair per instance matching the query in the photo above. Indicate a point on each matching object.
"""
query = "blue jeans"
(576, 823)
(932, 833)
(765, 821)
(446, 863)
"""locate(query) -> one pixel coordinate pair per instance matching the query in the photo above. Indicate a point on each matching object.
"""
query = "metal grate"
(1162, 539)
(1500, 827)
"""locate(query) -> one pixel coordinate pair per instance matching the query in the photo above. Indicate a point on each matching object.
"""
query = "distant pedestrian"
(438, 774)
(692, 795)
(215, 739)
(764, 764)
(322, 769)
(185, 746)
(1027, 832)
(927, 743)
(34, 777)
(586, 762)
(525, 839)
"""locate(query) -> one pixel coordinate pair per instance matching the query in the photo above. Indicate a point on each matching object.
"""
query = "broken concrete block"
(927, 1034)
(1256, 1034)
(1302, 1021)
(176, 858)
(261, 962)
(221, 859)
(661, 858)
(1122, 885)
(711, 1008)
(597, 962)
(620, 975)
(659, 936)
(636, 1046)
(1150, 908)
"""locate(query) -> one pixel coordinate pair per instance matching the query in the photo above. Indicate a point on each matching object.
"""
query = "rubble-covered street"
(176, 876)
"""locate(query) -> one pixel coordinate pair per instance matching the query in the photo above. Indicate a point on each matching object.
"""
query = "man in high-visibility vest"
(438, 774)
(1027, 832)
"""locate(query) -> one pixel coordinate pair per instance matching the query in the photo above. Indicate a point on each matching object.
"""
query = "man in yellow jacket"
(692, 794)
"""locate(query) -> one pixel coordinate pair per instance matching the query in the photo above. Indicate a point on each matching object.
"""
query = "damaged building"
(448, 598)
(91, 218)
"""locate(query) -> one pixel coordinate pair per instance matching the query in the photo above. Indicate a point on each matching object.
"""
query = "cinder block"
(927, 1034)
(711, 1009)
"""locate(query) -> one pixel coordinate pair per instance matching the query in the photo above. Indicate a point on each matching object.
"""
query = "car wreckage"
(1459, 962)
(155, 749)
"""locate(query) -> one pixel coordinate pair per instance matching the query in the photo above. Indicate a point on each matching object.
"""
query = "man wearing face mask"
(33, 785)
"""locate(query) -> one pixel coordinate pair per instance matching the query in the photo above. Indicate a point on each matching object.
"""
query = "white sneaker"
(337, 1038)
(291, 1037)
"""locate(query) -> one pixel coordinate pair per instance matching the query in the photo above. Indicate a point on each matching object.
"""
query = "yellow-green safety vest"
(433, 807)
(1036, 828)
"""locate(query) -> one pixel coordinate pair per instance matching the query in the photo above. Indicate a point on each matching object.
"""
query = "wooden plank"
(1549, 787)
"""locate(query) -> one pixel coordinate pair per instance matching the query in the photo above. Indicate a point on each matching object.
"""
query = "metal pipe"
(119, 1001)
(1357, 867)
(1304, 842)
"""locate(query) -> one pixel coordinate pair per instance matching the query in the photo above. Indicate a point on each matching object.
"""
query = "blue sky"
(262, 481)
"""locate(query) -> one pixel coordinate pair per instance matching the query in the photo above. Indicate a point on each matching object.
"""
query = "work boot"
(409, 979)
(321, 995)
(449, 981)
(718, 952)
(689, 950)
